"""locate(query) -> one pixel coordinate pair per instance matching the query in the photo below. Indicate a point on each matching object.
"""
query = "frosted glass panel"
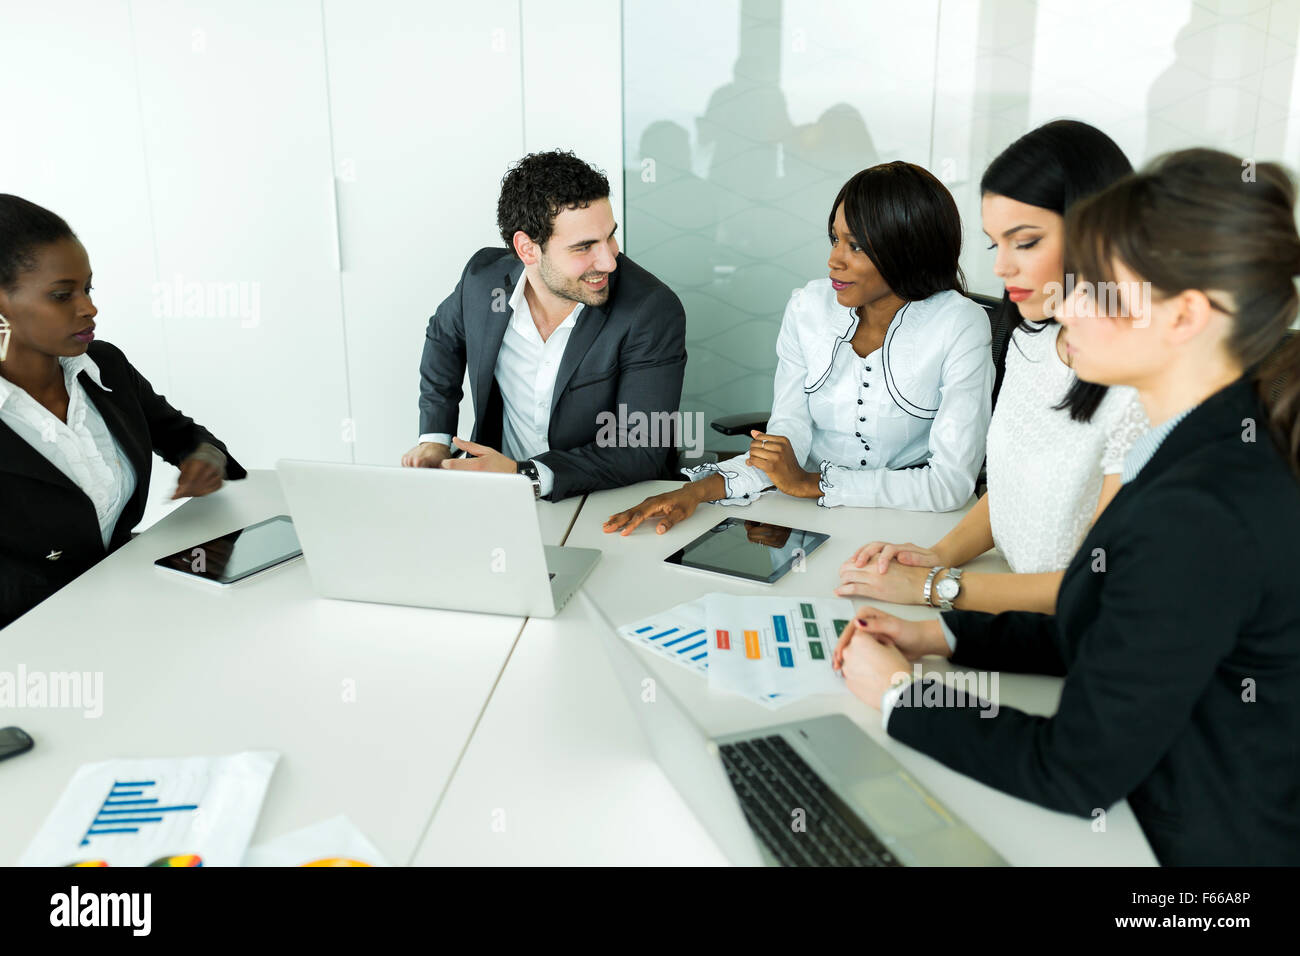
(1156, 76)
(742, 120)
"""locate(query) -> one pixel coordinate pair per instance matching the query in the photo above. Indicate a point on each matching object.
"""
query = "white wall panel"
(237, 145)
(572, 84)
(73, 144)
(426, 112)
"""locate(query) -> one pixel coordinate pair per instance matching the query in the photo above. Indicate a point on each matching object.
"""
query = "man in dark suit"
(566, 341)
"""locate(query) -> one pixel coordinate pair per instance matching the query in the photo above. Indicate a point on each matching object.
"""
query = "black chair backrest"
(1001, 331)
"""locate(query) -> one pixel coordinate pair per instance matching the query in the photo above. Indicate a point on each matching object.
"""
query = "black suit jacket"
(1181, 658)
(47, 514)
(631, 352)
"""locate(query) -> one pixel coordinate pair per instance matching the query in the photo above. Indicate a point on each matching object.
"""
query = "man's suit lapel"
(494, 332)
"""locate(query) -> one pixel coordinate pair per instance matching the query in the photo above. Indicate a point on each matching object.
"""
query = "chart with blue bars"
(131, 805)
(677, 634)
(679, 640)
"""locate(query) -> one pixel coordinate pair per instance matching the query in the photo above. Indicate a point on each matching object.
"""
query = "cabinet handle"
(338, 232)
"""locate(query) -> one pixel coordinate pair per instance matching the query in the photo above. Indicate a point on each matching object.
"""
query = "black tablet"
(750, 550)
(239, 554)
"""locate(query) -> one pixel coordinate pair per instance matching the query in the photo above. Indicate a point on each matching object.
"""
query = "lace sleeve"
(1129, 426)
(741, 486)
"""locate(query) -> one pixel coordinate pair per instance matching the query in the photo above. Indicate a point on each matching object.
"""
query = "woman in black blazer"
(51, 530)
(1177, 626)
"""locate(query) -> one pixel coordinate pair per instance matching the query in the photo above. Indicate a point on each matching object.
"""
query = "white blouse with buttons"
(83, 448)
(922, 398)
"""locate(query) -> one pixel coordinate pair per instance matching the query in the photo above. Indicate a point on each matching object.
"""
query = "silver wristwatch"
(949, 588)
(929, 583)
(529, 470)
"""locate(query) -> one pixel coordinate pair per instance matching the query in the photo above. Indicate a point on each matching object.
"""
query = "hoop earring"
(4, 338)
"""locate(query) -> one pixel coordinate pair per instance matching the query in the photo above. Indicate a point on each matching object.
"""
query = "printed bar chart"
(126, 808)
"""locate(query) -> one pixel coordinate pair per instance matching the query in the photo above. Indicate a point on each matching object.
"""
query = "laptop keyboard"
(772, 781)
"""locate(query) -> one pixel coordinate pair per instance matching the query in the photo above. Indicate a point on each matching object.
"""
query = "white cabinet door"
(426, 109)
(236, 129)
(73, 145)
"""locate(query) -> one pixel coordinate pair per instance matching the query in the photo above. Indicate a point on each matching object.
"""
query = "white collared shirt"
(83, 448)
(526, 370)
(923, 397)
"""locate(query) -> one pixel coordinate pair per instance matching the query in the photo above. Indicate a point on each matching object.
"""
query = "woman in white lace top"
(1055, 444)
(1043, 464)
(884, 371)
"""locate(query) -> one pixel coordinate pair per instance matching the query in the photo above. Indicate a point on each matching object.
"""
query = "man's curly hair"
(535, 190)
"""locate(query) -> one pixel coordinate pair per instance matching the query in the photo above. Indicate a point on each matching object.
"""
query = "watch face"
(947, 589)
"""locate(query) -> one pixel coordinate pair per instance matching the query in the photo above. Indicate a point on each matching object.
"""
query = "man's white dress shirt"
(525, 372)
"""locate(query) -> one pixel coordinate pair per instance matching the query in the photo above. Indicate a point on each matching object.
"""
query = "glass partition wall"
(742, 119)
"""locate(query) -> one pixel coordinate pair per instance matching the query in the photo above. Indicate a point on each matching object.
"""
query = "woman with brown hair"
(1177, 628)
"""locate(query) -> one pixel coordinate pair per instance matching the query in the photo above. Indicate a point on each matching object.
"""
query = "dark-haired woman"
(78, 423)
(1055, 444)
(1178, 624)
(884, 369)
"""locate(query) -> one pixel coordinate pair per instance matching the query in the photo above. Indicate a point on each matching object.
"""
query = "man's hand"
(484, 459)
(199, 476)
(427, 454)
(773, 454)
(670, 507)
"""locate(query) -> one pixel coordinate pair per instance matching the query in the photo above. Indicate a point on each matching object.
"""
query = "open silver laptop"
(428, 537)
(812, 792)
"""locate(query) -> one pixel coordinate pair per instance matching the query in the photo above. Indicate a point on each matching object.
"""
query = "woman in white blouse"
(1056, 444)
(884, 369)
(78, 424)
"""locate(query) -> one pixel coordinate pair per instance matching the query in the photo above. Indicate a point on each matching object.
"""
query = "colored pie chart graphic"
(336, 861)
(186, 859)
(90, 863)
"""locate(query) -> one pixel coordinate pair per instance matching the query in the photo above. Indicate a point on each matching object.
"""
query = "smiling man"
(555, 330)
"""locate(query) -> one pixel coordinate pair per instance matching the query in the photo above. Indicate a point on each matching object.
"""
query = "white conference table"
(192, 670)
(558, 773)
